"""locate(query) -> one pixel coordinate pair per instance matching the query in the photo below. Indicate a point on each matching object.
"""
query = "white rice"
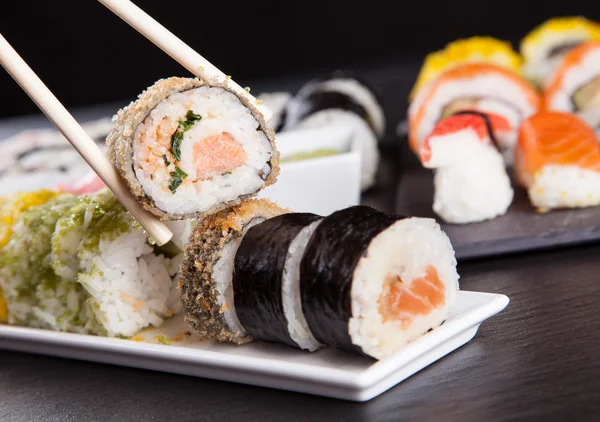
(557, 186)
(221, 112)
(290, 291)
(473, 190)
(222, 276)
(577, 75)
(129, 287)
(405, 249)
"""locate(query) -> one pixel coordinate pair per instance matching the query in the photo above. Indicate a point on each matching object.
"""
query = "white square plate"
(327, 372)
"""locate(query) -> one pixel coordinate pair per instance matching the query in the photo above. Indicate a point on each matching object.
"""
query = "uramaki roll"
(187, 148)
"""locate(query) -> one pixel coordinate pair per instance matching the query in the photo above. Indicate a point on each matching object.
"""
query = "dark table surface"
(537, 360)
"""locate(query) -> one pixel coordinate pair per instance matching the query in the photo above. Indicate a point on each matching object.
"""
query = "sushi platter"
(326, 373)
(268, 270)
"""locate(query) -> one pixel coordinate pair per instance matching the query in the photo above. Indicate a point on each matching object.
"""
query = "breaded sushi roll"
(478, 87)
(189, 149)
(574, 87)
(266, 280)
(370, 282)
(470, 50)
(558, 160)
(342, 100)
(207, 290)
(545, 46)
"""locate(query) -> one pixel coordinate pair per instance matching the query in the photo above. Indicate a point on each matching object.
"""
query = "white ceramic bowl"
(319, 185)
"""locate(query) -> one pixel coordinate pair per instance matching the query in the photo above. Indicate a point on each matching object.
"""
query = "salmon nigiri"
(471, 183)
(558, 160)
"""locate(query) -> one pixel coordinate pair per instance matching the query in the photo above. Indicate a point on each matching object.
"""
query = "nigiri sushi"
(470, 50)
(575, 85)
(545, 46)
(473, 86)
(471, 182)
(188, 149)
(558, 160)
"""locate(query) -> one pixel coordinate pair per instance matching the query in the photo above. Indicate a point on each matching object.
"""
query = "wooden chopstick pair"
(80, 140)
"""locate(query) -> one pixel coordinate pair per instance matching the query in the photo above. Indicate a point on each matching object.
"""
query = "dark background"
(86, 55)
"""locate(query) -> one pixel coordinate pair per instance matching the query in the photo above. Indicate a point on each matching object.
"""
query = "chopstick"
(178, 50)
(87, 148)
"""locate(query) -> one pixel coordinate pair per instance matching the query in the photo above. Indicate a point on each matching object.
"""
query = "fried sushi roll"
(371, 282)
(266, 280)
(207, 270)
(187, 148)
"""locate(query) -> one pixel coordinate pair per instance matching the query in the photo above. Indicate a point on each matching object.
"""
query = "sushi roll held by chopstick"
(187, 148)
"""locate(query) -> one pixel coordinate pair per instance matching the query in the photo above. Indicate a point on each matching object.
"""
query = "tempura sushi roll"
(471, 182)
(470, 50)
(558, 160)
(372, 282)
(342, 100)
(266, 280)
(574, 87)
(189, 149)
(479, 87)
(207, 270)
(544, 47)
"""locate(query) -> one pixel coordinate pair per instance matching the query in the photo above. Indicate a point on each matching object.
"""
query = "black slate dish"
(520, 229)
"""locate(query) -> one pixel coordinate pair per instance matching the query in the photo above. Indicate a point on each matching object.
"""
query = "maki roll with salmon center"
(187, 148)
(207, 270)
(266, 280)
(372, 282)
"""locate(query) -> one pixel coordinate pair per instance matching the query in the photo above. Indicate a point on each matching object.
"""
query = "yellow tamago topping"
(474, 49)
(10, 208)
(574, 25)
